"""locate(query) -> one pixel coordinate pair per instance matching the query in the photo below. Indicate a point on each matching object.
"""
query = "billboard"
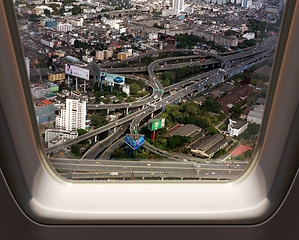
(77, 71)
(167, 38)
(134, 140)
(155, 124)
(112, 78)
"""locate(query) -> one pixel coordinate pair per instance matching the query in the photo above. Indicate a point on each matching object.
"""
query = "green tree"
(211, 105)
(75, 149)
(143, 154)
(240, 157)
(236, 112)
(212, 130)
(81, 131)
(248, 153)
(76, 10)
(177, 141)
(119, 153)
(131, 99)
(47, 12)
(229, 33)
(219, 153)
(134, 88)
(98, 121)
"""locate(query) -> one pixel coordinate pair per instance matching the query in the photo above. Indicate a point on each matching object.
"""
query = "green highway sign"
(159, 90)
(155, 124)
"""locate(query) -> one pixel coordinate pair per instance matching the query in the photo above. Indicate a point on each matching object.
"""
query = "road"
(203, 80)
(104, 168)
(94, 151)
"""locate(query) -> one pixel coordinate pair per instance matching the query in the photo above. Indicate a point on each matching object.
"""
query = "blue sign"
(134, 144)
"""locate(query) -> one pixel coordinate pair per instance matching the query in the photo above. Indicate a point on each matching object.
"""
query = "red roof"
(47, 102)
(240, 150)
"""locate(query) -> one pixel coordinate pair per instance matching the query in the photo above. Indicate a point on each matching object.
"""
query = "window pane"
(126, 91)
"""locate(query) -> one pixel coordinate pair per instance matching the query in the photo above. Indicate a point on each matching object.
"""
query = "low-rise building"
(45, 112)
(209, 146)
(87, 58)
(64, 27)
(108, 54)
(122, 56)
(256, 115)
(99, 55)
(126, 89)
(249, 36)
(56, 77)
(57, 136)
(40, 92)
(236, 127)
(188, 130)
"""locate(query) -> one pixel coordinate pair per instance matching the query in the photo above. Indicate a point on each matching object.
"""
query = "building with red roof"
(47, 102)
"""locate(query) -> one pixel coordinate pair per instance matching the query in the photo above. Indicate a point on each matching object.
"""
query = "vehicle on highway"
(113, 173)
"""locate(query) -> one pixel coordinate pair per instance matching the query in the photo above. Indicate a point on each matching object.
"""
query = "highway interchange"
(178, 168)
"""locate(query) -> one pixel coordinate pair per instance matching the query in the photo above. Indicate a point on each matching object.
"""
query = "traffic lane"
(200, 164)
(116, 168)
(217, 174)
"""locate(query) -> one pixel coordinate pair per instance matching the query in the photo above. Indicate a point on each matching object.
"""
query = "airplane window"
(149, 94)
(182, 99)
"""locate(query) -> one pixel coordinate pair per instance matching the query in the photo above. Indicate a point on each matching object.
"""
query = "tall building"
(99, 55)
(73, 117)
(236, 1)
(246, 3)
(178, 5)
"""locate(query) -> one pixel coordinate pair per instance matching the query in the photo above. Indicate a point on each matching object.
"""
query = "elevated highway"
(201, 82)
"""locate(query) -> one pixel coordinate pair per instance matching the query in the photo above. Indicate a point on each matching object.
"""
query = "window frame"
(252, 198)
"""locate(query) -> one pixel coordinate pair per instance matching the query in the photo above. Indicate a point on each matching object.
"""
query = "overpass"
(196, 86)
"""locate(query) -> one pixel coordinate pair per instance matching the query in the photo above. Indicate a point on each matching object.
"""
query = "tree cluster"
(170, 77)
(177, 141)
(98, 121)
(251, 131)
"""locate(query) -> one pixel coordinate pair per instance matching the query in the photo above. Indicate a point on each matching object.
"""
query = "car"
(206, 174)
(148, 164)
(118, 79)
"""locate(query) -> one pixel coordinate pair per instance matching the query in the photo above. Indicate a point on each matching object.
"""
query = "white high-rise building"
(236, 1)
(178, 5)
(246, 3)
(73, 117)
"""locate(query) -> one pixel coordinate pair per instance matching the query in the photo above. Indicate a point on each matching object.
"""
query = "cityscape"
(149, 90)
